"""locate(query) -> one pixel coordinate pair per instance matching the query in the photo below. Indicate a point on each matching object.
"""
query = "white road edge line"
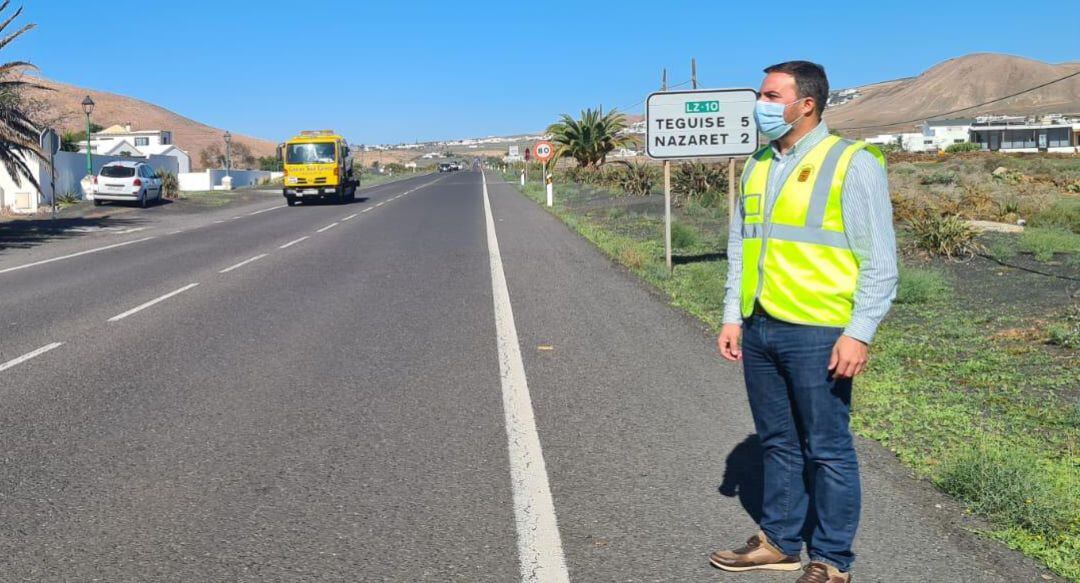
(327, 227)
(381, 203)
(540, 551)
(88, 251)
(365, 210)
(152, 302)
(243, 263)
(29, 355)
(352, 216)
(293, 242)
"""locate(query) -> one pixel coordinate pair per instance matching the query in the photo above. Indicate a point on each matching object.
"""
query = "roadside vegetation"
(975, 377)
(18, 133)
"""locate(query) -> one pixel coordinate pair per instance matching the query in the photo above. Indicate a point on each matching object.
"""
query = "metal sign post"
(544, 152)
(49, 141)
(710, 123)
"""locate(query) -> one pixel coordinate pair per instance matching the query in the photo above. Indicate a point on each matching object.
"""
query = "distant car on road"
(126, 181)
(455, 165)
(446, 167)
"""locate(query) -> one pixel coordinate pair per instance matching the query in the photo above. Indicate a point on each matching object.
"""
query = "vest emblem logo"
(805, 172)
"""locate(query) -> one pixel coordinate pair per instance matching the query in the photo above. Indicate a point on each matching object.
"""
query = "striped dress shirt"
(868, 224)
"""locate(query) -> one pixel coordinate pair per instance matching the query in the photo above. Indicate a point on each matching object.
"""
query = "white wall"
(211, 179)
(70, 167)
(239, 177)
(194, 181)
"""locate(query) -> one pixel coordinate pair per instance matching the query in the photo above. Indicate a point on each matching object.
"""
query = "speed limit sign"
(544, 151)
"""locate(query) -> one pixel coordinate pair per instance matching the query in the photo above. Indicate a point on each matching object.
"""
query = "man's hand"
(728, 342)
(849, 358)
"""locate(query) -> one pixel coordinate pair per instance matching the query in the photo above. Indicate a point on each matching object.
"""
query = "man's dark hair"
(810, 81)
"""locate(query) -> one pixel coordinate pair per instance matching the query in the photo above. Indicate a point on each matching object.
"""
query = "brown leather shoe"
(757, 555)
(821, 573)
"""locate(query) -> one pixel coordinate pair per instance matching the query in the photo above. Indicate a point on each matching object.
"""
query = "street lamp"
(88, 108)
(228, 153)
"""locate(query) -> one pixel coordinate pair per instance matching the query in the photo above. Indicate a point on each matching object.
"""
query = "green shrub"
(68, 198)
(963, 147)
(1002, 248)
(638, 178)
(698, 181)
(170, 185)
(949, 236)
(1064, 214)
(1044, 242)
(920, 286)
(1073, 418)
(683, 236)
(1066, 333)
(1008, 486)
(943, 177)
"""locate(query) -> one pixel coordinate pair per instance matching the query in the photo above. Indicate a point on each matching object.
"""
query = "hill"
(61, 105)
(955, 84)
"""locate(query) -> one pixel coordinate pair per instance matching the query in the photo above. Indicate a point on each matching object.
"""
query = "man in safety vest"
(812, 273)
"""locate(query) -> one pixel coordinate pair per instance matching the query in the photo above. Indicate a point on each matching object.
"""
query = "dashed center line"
(352, 216)
(266, 210)
(243, 263)
(29, 355)
(327, 227)
(152, 302)
(381, 203)
(365, 210)
(293, 242)
(62, 257)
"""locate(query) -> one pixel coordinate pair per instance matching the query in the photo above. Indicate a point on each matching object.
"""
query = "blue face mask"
(770, 118)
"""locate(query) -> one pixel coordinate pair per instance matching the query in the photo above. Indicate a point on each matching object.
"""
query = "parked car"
(127, 181)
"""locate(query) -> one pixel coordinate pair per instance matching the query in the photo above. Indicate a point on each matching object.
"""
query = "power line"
(1028, 90)
(646, 98)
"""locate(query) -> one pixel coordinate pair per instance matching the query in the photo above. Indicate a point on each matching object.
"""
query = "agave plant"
(638, 178)
(698, 181)
(170, 185)
(589, 139)
(18, 134)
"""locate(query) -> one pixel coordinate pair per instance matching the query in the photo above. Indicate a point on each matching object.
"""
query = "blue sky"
(404, 71)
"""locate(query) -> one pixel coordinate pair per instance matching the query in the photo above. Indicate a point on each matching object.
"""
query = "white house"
(1026, 136)
(121, 140)
(137, 138)
(939, 134)
(935, 135)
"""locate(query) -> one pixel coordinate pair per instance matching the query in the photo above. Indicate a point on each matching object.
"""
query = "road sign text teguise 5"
(701, 124)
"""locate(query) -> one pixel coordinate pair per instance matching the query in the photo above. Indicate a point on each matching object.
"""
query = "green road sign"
(702, 106)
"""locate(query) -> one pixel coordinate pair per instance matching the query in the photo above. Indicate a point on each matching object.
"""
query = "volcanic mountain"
(60, 105)
(956, 84)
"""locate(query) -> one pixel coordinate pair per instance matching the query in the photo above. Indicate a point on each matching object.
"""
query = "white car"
(127, 181)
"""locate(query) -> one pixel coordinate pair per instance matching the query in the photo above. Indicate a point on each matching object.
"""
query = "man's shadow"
(744, 478)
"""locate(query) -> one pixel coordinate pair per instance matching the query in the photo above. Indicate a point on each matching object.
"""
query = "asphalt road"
(328, 393)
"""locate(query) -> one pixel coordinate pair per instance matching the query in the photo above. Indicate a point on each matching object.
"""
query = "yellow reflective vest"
(797, 262)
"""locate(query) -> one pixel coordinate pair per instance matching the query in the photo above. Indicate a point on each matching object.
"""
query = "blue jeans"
(801, 415)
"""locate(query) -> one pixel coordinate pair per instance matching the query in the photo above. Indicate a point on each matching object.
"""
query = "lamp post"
(228, 153)
(88, 108)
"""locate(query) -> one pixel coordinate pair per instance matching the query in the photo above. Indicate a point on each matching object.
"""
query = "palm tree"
(18, 134)
(589, 139)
